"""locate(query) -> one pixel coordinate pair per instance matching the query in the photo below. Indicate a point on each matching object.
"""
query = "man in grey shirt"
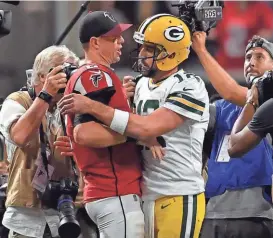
(237, 206)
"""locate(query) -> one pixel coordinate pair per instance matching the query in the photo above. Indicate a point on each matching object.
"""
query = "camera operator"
(238, 189)
(23, 114)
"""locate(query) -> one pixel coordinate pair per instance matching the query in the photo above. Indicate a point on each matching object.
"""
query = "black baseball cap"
(263, 43)
(100, 23)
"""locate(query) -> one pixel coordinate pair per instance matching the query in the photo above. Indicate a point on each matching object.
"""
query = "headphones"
(30, 90)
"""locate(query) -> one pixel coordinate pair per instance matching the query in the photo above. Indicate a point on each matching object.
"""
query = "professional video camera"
(200, 15)
(6, 19)
(61, 195)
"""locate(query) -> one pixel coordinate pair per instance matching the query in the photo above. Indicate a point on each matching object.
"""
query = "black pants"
(237, 228)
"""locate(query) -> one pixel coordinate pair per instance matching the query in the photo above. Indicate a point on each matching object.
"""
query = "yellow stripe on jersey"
(187, 104)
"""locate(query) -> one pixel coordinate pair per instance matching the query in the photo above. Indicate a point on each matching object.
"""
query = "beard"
(146, 70)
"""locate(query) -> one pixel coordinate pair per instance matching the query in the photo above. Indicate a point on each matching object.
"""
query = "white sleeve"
(188, 97)
(11, 111)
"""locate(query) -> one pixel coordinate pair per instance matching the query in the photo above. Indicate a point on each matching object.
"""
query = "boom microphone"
(12, 2)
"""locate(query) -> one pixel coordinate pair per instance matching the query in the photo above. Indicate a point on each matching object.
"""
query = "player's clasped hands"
(156, 149)
(64, 146)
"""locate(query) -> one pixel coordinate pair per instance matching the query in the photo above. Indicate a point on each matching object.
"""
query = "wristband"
(119, 121)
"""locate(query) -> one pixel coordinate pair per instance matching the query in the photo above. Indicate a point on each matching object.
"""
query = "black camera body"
(68, 69)
(55, 189)
(61, 195)
(200, 15)
(264, 85)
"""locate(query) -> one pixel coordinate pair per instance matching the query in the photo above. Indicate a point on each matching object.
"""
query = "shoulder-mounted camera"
(201, 15)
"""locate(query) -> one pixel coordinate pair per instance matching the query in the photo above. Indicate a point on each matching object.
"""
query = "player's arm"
(87, 130)
(96, 135)
(139, 127)
(224, 84)
(178, 107)
(246, 136)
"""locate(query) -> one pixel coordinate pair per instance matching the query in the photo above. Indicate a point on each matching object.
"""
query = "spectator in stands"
(239, 203)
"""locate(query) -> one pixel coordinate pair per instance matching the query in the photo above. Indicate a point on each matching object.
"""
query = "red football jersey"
(108, 171)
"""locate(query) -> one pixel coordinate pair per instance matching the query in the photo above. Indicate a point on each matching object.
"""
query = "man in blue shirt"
(239, 203)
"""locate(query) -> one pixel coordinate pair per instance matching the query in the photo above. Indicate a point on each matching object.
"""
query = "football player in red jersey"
(109, 162)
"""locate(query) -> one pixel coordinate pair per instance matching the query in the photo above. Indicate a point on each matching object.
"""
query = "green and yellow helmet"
(170, 35)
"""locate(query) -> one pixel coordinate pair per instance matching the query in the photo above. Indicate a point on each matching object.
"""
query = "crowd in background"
(37, 25)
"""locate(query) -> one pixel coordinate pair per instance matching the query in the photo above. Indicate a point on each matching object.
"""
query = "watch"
(44, 95)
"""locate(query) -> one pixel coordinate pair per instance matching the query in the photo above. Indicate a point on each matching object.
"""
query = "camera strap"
(73, 164)
(32, 95)
(44, 155)
(43, 149)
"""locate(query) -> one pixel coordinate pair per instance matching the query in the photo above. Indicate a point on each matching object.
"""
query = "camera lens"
(69, 226)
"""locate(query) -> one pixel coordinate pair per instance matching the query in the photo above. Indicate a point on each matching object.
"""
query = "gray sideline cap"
(263, 43)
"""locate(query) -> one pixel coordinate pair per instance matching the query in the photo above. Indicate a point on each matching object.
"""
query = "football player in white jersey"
(172, 106)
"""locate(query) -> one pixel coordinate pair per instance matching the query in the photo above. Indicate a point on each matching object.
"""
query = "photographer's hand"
(54, 81)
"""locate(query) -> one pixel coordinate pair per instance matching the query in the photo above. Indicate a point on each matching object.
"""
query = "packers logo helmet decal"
(170, 35)
(174, 33)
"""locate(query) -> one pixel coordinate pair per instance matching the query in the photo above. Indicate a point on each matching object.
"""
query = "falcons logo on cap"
(110, 16)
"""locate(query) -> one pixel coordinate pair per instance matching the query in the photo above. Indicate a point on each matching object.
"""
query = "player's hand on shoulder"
(74, 104)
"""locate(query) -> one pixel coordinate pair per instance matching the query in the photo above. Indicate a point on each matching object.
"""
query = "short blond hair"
(49, 58)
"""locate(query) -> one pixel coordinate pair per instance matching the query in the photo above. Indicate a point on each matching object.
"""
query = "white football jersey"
(179, 173)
